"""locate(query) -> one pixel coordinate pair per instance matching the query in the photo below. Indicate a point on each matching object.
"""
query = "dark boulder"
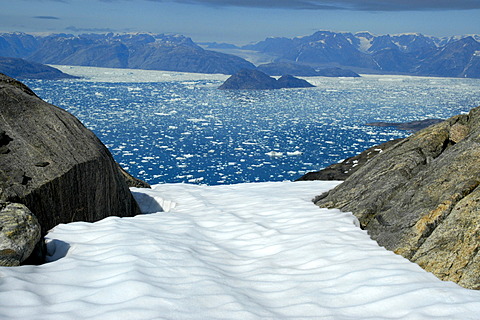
(19, 233)
(55, 166)
(421, 198)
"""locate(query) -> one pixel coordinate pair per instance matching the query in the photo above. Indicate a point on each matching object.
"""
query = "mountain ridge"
(412, 53)
(361, 52)
(127, 50)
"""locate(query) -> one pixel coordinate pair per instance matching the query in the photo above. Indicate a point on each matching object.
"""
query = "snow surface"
(244, 251)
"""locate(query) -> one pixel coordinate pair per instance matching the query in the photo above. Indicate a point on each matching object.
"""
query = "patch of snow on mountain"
(365, 44)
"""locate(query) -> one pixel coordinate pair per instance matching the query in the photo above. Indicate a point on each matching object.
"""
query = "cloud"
(75, 29)
(354, 5)
(47, 17)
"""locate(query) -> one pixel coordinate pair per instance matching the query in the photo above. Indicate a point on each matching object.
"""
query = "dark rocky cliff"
(421, 198)
(55, 166)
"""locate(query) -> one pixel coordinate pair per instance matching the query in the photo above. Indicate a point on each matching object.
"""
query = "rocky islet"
(247, 79)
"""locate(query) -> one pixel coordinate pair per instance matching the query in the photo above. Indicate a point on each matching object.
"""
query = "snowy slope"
(245, 251)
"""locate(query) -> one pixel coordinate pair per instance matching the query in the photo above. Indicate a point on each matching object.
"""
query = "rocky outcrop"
(411, 125)
(22, 69)
(256, 80)
(344, 169)
(131, 180)
(249, 80)
(19, 233)
(421, 198)
(55, 166)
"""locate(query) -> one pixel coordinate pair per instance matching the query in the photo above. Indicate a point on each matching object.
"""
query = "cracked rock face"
(54, 165)
(421, 198)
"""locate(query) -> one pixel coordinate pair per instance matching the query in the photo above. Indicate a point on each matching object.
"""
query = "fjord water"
(176, 127)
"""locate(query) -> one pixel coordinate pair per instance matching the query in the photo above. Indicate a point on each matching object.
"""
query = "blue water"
(189, 131)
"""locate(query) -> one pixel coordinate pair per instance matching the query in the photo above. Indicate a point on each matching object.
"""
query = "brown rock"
(420, 198)
(458, 132)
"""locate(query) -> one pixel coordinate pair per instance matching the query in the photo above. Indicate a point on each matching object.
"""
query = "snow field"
(244, 251)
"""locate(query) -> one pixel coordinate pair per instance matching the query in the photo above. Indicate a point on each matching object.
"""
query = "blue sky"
(242, 21)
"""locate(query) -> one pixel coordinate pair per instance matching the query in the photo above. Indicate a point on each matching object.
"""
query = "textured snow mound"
(246, 251)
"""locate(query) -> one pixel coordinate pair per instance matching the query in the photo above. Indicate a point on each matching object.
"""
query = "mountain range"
(131, 50)
(362, 52)
(413, 54)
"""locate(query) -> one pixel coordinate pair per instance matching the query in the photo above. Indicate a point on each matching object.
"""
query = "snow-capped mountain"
(411, 53)
(131, 50)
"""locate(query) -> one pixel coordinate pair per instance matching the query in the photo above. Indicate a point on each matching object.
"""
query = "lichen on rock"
(421, 199)
(19, 233)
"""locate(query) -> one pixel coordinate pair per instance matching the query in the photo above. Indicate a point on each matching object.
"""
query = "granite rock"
(54, 165)
(421, 198)
(19, 233)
